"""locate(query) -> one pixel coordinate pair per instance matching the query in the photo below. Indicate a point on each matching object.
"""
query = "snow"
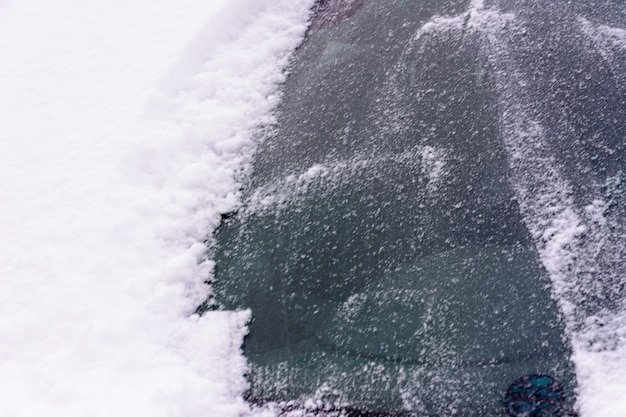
(601, 374)
(124, 125)
(477, 4)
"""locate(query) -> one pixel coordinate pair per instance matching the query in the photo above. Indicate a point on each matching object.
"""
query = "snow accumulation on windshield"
(128, 125)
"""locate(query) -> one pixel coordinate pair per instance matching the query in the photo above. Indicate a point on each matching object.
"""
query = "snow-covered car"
(437, 211)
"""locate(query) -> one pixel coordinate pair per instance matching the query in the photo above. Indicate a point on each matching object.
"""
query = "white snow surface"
(124, 125)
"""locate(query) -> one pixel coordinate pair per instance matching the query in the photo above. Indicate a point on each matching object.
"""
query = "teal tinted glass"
(360, 298)
(382, 247)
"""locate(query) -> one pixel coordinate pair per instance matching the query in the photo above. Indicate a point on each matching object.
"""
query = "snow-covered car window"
(395, 246)
(369, 291)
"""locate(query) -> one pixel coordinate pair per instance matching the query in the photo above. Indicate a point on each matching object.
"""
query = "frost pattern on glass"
(443, 186)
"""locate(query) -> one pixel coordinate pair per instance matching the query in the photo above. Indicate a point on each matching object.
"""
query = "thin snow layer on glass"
(482, 132)
(124, 124)
(565, 137)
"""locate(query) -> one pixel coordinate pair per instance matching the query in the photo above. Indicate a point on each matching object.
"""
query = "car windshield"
(389, 244)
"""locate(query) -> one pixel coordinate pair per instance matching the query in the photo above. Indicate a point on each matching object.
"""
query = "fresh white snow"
(123, 126)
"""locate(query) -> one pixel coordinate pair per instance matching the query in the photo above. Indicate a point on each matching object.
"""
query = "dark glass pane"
(387, 247)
